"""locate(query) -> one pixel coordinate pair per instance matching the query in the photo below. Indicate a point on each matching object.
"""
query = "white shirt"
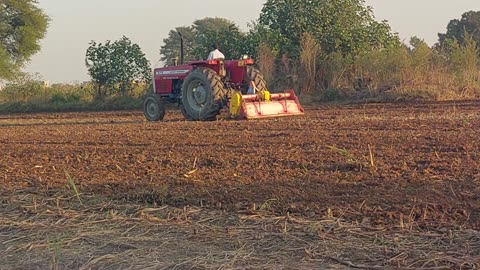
(216, 54)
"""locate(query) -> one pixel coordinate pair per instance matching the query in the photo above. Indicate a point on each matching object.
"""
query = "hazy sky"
(147, 22)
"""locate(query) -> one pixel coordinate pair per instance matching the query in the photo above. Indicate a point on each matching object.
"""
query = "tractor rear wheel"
(203, 94)
(185, 114)
(154, 108)
(256, 76)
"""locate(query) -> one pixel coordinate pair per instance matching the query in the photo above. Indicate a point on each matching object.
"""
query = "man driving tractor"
(216, 54)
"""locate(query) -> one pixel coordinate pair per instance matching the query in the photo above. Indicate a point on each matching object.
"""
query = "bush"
(28, 94)
(22, 89)
(65, 98)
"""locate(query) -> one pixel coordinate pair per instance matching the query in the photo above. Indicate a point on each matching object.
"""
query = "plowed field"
(343, 186)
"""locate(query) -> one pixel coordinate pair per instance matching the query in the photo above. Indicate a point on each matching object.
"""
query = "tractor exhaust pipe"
(182, 53)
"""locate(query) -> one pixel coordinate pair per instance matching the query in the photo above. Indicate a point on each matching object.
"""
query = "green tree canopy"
(116, 65)
(171, 48)
(22, 25)
(230, 40)
(456, 29)
(346, 26)
(199, 37)
(211, 24)
(421, 53)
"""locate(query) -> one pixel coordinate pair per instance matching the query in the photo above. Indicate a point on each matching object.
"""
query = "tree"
(116, 65)
(201, 35)
(421, 54)
(22, 26)
(230, 40)
(456, 29)
(211, 24)
(464, 59)
(346, 26)
(171, 48)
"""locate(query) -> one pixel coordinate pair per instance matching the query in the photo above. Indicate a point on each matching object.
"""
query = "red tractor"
(203, 88)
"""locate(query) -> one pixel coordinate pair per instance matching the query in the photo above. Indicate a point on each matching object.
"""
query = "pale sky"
(147, 22)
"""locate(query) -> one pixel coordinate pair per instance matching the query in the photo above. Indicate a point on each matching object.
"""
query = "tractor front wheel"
(154, 108)
(203, 94)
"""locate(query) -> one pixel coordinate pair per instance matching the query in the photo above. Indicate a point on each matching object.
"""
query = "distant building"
(46, 84)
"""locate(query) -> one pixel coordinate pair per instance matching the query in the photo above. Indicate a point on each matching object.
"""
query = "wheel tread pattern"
(257, 77)
(218, 94)
(161, 107)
